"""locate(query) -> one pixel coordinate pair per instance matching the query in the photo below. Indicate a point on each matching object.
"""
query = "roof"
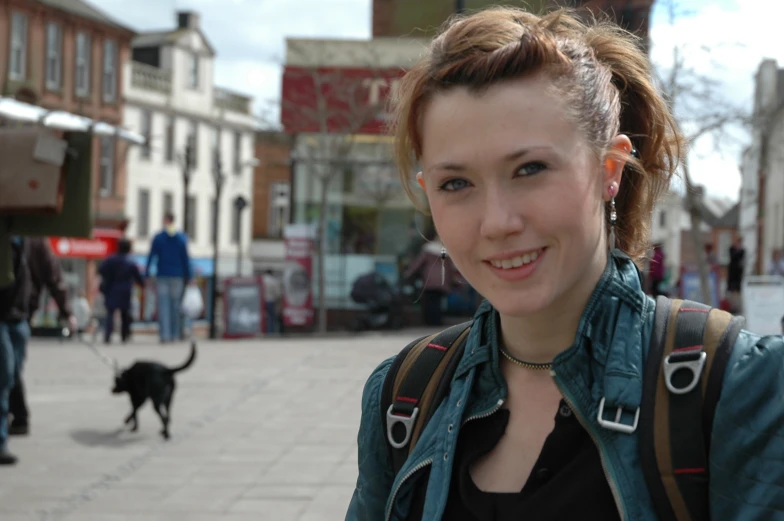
(85, 9)
(166, 37)
(731, 219)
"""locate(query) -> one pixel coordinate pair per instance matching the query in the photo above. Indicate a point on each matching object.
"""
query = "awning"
(61, 120)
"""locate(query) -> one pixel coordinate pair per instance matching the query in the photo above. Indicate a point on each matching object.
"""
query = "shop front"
(79, 259)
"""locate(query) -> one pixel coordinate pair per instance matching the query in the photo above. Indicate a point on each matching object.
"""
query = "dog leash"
(111, 363)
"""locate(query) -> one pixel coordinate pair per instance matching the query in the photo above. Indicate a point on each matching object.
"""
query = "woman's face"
(517, 194)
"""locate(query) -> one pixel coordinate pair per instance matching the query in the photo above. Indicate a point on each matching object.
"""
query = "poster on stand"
(763, 304)
(300, 247)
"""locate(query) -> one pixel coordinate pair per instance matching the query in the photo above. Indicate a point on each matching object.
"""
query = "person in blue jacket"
(544, 145)
(169, 253)
(118, 276)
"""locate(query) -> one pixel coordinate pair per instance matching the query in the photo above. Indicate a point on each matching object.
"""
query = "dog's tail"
(188, 362)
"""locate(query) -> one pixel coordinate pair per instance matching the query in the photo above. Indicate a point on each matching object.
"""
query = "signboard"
(763, 303)
(103, 244)
(298, 275)
(348, 100)
(243, 307)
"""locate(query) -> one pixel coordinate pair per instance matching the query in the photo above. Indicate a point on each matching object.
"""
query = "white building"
(762, 185)
(170, 97)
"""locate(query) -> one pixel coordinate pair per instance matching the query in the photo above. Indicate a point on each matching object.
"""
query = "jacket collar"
(609, 336)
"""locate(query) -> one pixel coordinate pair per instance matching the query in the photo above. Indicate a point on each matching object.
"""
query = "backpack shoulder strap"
(415, 385)
(689, 350)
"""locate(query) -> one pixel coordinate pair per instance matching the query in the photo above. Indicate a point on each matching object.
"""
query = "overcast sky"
(248, 36)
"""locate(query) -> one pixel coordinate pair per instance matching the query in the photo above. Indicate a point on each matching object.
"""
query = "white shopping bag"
(192, 302)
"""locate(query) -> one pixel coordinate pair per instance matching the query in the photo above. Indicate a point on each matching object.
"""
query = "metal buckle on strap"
(406, 421)
(689, 361)
(617, 425)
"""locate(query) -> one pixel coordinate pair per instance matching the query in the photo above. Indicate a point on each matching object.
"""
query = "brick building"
(418, 18)
(271, 198)
(67, 55)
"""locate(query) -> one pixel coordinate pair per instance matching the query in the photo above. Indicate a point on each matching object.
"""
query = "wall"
(273, 150)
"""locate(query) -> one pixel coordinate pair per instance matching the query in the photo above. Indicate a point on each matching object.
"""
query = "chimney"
(187, 20)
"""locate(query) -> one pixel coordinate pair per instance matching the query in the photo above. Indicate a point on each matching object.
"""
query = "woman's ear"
(615, 162)
(421, 180)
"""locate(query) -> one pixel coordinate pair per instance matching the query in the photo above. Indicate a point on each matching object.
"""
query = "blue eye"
(454, 185)
(530, 169)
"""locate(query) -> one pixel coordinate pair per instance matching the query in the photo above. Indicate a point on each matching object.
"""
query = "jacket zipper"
(485, 414)
(429, 461)
(602, 455)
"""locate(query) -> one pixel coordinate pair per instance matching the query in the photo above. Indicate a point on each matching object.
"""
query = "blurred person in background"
(119, 274)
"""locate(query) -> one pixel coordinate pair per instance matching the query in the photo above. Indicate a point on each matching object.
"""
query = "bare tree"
(330, 110)
(702, 112)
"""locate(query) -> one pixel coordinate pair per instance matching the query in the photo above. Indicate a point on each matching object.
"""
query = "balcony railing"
(147, 77)
(225, 99)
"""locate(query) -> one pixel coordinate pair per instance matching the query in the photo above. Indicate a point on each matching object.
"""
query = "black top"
(567, 481)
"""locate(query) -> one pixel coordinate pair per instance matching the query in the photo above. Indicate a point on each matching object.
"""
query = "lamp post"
(187, 169)
(459, 6)
(240, 203)
(218, 179)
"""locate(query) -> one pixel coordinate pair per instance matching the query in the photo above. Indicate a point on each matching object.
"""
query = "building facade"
(762, 171)
(417, 18)
(67, 55)
(171, 98)
(271, 199)
(334, 94)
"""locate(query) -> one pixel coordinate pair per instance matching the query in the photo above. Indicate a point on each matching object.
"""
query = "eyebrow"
(512, 156)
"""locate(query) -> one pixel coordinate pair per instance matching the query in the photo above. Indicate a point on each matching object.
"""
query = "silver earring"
(613, 219)
(443, 265)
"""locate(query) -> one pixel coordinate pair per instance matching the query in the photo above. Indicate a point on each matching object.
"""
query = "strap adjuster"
(407, 422)
(694, 362)
(616, 425)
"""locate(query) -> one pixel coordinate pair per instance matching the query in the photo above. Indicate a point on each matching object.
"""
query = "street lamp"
(187, 170)
(240, 203)
(218, 178)
(459, 6)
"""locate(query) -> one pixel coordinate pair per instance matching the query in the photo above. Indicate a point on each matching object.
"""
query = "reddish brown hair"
(598, 67)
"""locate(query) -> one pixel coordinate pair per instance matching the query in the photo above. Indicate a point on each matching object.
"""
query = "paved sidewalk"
(260, 430)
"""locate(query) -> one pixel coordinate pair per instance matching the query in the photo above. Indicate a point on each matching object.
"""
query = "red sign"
(103, 244)
(298, 276)
(338, 100)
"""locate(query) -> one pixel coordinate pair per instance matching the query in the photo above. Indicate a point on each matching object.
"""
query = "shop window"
(143, 227)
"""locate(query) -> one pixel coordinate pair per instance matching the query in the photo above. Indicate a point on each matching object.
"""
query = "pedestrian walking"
(119, 274)
(45, 272)
(273, 295)
(169, 254)
(544, 144)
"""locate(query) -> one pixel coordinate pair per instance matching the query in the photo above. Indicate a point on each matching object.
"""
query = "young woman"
(543, 147)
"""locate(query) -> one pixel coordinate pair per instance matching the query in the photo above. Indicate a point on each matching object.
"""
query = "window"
(193, 71)
(168, 203)
(146, 131)
(170, 121)
(18, 60)
(193, 139)
(82, 64)
(237, 153)
(662, 219)
(54, 56)
(190, 218)
(143, 228)
(109, 71)
(107, 165)
(279, 209)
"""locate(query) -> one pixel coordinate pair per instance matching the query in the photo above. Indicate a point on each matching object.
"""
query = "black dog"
(154, 381)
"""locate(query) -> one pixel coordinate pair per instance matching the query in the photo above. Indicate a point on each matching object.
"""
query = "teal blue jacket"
(747, 448)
